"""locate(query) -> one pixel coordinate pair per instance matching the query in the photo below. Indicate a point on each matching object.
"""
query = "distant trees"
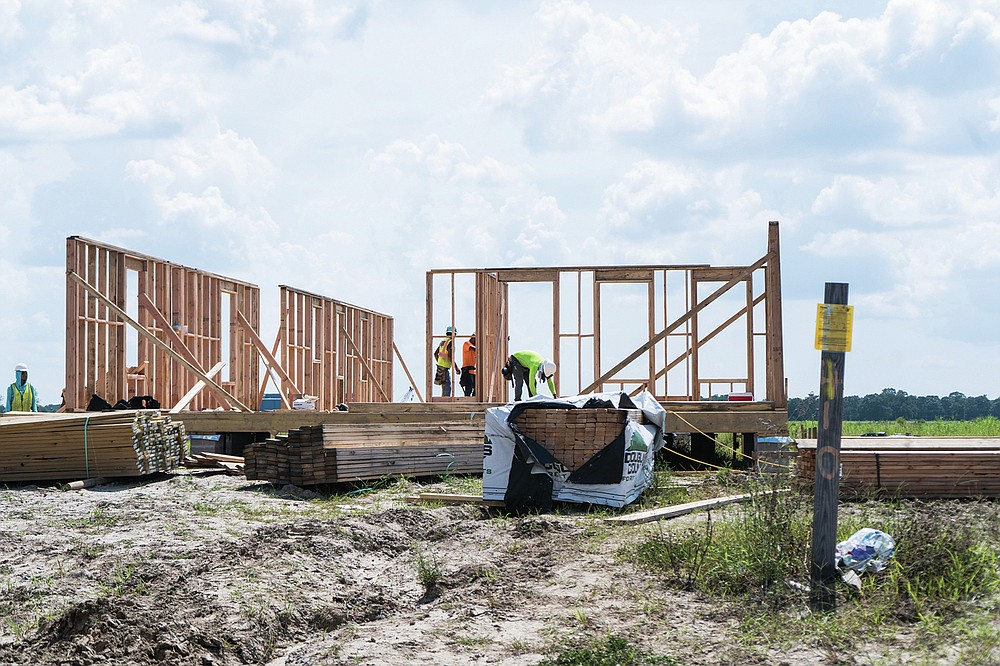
(891, 404)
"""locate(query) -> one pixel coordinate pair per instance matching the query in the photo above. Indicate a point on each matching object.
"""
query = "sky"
(346, 148)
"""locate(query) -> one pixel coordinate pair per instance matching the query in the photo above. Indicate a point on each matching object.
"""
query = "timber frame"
(334, 351)
(692, 314)
(190, 324)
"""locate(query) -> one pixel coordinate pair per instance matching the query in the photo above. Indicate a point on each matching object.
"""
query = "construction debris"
(53, 447)
(232, 464)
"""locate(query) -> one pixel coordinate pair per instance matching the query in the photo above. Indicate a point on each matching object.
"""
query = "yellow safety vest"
(22, 401)
(444, 354)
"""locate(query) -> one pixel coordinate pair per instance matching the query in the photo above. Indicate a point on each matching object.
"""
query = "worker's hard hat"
(451, 331)
(20, 367)
(548, 368)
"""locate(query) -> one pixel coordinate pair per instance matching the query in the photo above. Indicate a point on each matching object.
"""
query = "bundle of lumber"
(352, 452)
(573, 436)
(51, 447)
(952, 467)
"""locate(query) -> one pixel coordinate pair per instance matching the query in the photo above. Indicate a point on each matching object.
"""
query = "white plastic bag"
(866, 550)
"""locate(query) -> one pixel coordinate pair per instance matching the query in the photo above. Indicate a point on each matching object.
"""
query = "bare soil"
(203, 568)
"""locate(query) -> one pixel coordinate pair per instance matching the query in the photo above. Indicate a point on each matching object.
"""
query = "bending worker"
(21, 395)
(531, 367)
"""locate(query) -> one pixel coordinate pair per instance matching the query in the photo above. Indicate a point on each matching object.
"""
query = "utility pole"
(833, 337)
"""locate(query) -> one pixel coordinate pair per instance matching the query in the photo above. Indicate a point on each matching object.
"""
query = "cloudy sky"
(348, 147)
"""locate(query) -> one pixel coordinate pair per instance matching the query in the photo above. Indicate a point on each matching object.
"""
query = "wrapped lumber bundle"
(336, 453)
(53, 447)
(596, 449)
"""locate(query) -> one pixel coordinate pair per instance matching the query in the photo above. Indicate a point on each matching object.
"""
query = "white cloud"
(113, 91)
(10, 25)
(262, 27)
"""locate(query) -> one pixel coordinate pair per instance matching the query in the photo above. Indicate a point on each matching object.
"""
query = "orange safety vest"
(469, 356)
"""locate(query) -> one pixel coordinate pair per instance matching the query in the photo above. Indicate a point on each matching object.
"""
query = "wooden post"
(831, 397)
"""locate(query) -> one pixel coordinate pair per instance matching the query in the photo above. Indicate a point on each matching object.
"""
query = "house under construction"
(139, 325)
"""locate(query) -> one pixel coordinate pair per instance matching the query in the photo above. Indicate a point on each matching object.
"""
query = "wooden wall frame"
(334, 351)
(192, 300)
(680, 341)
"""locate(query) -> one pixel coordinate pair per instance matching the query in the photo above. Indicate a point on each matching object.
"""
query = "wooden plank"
(623, 275)
(196, 389)
(527, 274)
(774, 363)
(719, 274)
(72, 388)
(681, 509)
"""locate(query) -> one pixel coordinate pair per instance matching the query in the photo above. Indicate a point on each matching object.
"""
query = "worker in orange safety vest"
(468, 379)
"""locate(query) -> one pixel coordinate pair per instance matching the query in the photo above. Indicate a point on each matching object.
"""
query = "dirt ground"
(203, 568)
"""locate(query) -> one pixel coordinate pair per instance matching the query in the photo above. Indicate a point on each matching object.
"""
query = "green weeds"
(430, 571)
(944, 578)
(988, 426)
(608, 650)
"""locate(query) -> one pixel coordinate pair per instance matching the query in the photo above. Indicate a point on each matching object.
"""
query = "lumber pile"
(232, 464)
(336, 453)
(50, 447)
(953, 467)
(573, 436)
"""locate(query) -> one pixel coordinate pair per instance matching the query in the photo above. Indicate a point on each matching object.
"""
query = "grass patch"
(430, 571)
(99, 517)
(988, 426)
(943, 581)
(609, 650)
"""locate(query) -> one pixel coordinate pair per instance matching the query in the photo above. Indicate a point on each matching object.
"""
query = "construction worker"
(21, 395)
(468, 378)
(443, 358)
(531, 367)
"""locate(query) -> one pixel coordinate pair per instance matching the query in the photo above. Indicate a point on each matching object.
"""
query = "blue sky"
(347, 148)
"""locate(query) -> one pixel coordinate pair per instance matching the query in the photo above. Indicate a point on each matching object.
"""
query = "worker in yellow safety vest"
(444, 363)
(530, 367)
(21, 395)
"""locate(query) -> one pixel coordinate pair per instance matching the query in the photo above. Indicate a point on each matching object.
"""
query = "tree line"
(891, 404)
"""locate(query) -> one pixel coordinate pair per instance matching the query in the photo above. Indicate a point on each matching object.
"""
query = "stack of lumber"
(48, 447)
(573, 436)
(940, 467)
(335, 453)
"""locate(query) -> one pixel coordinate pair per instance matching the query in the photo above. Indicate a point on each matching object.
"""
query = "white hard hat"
(20, 367)
(548, 368)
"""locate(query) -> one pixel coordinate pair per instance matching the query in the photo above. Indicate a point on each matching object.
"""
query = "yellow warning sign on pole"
(833, 327)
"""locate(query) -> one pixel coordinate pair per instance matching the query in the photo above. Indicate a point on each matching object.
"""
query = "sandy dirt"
(203, 568)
